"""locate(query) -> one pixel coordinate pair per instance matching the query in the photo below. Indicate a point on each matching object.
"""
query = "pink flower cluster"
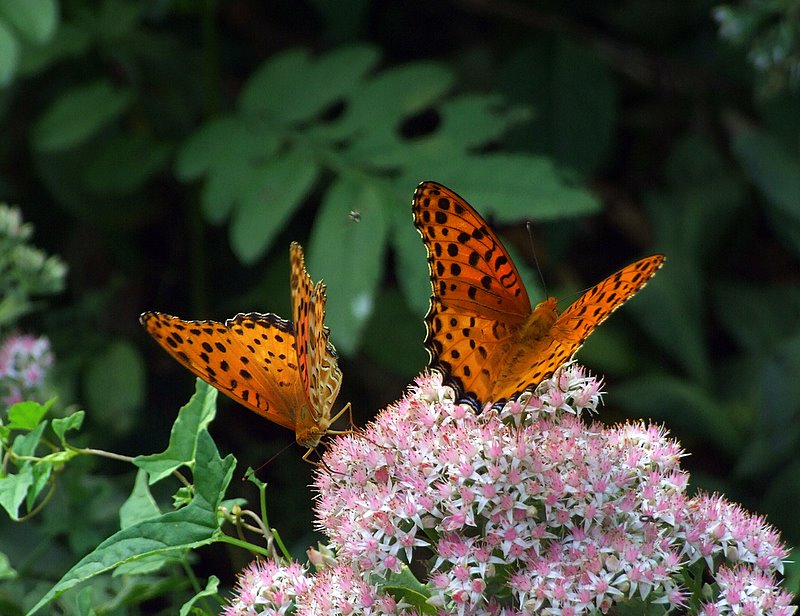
(24, 363)
(526, 509)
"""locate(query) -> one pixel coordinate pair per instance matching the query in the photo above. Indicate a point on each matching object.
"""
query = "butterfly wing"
(538, 360)
(478, 300)
(251, 358)
(319, 370)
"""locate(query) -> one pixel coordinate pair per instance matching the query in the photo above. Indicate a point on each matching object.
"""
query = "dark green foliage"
(169, 152)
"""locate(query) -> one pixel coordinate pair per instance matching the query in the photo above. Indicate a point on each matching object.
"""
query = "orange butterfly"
(285, 372)
(481, 331)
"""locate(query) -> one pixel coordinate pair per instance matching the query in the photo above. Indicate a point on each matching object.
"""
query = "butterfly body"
(482, 333)
(285, 371)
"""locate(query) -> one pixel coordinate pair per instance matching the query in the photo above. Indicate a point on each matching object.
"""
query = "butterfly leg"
(347, 408)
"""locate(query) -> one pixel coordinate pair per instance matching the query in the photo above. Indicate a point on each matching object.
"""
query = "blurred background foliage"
(168, 152)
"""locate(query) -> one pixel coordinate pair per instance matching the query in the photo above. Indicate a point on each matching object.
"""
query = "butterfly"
(482, 333)
(285, 371)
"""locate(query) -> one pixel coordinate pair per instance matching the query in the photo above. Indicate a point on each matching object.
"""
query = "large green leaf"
(190, 527)
(224, 142)
(9, 54)
(573, 95)
(346, 250)
(35, 20)
(77, 115)
(193, 418)
(510, 187)
(271, 195)
(292, 87)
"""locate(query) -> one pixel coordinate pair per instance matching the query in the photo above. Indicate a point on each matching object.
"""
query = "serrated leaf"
(352, 274)
(378, 107)
(193, 526)
(193, 418)
(77, 115)
(511, 187)
(220, 192)
(398, 92)
(293, 87)
(224, 143)
(9, 55)
(26, 415)
(473, 120)
(35, 20)
(114, 384)
(272, 194)
(268, 89)
(62, 425)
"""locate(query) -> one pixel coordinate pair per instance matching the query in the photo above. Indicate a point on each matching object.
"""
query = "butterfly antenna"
(529, 227)
(268, 462)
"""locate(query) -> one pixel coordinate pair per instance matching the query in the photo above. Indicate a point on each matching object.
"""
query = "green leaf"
(272, 194)
(759, 318)
(69, 41)
(36, 20)
(396, 93)
(14, 489)
(676, 294)
(682, 404)
(42, 471)
(77, 115)
(473, 120)
(267, 91)
(140, 505)
(83, 602)
(192, 420)
(211, 589)
(511, 187)
(9, 55)
(114, 385)
(405, 587)
(573, 93)
(7, 572)
(27, 415)
(124, 163)
(412, 267)
(352, 275)
(292, 87)
(379, 106)
(62, 425)
(191, 527)
(222, 144)
(772, 168)
(27, 444)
